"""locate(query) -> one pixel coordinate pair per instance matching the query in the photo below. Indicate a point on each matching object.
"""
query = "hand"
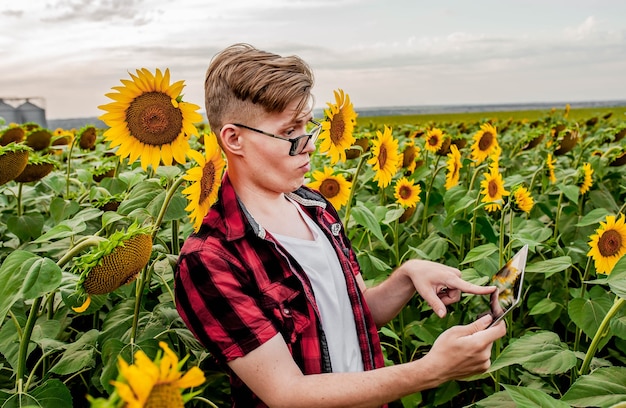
(462, 351)
(440, 285)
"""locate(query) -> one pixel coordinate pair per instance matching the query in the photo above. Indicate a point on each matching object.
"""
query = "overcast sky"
(382, 53)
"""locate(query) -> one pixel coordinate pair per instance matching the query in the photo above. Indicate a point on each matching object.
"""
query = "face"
(268, 164)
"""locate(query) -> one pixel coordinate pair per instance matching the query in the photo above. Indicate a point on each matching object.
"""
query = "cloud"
(100, 10)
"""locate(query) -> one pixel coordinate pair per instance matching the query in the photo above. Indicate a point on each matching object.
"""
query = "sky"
(67, 54)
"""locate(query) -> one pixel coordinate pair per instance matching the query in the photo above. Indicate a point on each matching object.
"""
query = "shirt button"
(286, 311)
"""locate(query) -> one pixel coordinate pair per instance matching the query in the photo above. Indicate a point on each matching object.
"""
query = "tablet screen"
(509, 281)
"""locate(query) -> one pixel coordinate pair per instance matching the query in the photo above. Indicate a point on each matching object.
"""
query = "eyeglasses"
(298, 144)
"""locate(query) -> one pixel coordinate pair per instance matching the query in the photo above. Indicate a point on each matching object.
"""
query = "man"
(270, 283)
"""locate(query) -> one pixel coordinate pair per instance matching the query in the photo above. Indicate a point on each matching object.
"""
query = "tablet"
(510, 281)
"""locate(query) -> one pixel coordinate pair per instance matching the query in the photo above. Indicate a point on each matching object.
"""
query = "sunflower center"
(433, 141)
(382, 157)
(206, 182)
(153, 120)
(329, 188)
(610, 243)
(492, 188)
(337, 128)
(485, 141)
(408, 157)
(405, 192)
(165, 396)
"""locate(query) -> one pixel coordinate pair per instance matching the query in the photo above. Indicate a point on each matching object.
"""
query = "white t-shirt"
(320, 263)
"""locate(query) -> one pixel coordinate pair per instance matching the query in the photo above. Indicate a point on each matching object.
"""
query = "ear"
(231, 140)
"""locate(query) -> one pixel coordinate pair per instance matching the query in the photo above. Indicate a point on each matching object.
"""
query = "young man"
(270, 283)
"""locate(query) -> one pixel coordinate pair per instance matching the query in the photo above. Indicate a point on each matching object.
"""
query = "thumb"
(478, 325)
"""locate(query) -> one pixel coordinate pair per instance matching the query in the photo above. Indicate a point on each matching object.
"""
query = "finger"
(468, 287)
(478, 325)
(435, 303)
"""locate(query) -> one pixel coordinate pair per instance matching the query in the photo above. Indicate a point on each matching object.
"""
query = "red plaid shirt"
(237, 287)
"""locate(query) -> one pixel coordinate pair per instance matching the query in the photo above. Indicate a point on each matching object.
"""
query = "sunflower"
(152, 383)
(385, 157)
(205, 180)
(37, 168)
(493, 190)
(550, 162)
(485, 142)
(608, 244)
(585, 180)
(337, 129)
(410, 156)
(335, 188)
(14, 133)
(87, 137)
(406, 193)
(13, 161)
(149, 120)
(454, 167)
(114, 262)
(434, 140)
(38, 139)
(522, 199)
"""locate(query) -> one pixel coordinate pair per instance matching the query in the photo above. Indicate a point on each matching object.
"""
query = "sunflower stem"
(25, 341)
(69, 167)
(19, 200)
(346, 215)
(427, 198)
(175, 241)
(168, 197)
(80, 245)
(600, 334)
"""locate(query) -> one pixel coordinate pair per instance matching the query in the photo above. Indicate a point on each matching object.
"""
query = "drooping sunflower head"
(410, 154)
(87, 137)
(157, 383)
(13, 161)
(433, 140)
(112, 263)
(38, 139)
(149, 120)
(608, 244)
(13, 133)
(205, 180)
(360, 146)
(385, 158)
(585, 179)
(566, 142)
(338, 127)
(485, 142)
(454, 166)
(406, 193)
(493, 190)
(38, 167)
(334, 187)
(522, 200)
(61, 138)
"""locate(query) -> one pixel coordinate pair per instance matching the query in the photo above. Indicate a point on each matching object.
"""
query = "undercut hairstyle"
(242, 82)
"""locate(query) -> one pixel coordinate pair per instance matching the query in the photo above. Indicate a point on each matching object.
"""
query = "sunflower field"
(92, 220)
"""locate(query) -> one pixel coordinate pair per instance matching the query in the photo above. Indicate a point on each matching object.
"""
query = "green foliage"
(564, 344)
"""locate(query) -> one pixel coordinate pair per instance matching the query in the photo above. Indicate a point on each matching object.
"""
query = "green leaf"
(140, 197)
(571, 192)
(617, 278)
(389, 333)
(550, 266)
(543, 306)
(480, 252)
(604, 387)
(363, 216)
(500, 399)
(61, 209)
(27, 226)
(64, 229)
(42, 276)
(175, 208)
(51, 394)
(528, 397)
(589, 313)
(435, 247)
(12, 274)
(539, 352)
(593, 217)
(78, 355)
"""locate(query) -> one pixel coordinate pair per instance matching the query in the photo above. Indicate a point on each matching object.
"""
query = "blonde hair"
(241, 79)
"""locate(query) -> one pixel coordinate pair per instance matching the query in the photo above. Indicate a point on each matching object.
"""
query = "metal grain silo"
(9, 113)
(29, 112)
